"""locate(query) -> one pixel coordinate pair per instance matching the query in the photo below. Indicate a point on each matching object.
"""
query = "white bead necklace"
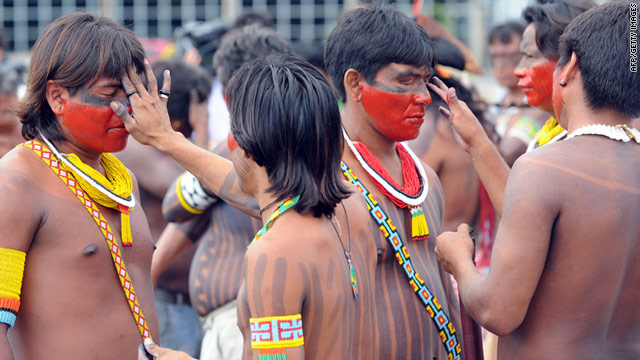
(619, 132)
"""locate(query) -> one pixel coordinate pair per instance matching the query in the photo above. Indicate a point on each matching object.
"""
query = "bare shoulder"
(23, 179)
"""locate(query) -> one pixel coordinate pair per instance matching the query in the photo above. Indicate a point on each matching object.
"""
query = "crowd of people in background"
(352, 199)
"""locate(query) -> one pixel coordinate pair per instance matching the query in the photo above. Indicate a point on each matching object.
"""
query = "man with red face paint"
(75, 250)
(564, 273)
(546, 21)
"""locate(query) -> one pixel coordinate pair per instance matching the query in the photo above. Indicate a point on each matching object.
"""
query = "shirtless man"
(72, 303)
(216, 271)
(564, 273)
(311, 268)
(384, 95)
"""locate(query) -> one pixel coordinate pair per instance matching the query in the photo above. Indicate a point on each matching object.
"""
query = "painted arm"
(151, 126)
(184, 201)
(489, 164)
(499, 301)
(270, 300)
(174, 241)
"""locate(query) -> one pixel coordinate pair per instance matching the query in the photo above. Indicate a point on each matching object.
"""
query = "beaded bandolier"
(444, 326)
(123, 275)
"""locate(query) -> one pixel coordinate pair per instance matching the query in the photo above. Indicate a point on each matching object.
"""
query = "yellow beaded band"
(276, 332)
(11, 272)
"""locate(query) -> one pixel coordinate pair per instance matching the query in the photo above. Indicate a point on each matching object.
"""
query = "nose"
(519, 70)
(422, 98)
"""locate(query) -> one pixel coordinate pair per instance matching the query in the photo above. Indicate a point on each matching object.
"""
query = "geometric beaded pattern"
(276, 332)
(123, 275)
(388, 230)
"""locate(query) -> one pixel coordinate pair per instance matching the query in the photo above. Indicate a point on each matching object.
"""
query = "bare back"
(299, 266)
(586, 303)
(72, 303)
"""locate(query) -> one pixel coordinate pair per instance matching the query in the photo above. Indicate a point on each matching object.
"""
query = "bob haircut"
(284, 113)
(74, 50)
(370, 37)
(550, 18)
(600, 39)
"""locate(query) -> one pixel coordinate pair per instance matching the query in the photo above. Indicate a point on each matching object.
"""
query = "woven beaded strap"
(92, 208)
(388, 230)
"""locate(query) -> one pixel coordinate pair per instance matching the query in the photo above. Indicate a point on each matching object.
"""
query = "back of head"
(371, 37)
(600, 39)
(284, 114)
(185, 79)
(74, 50)
(243, 44)
(251, 17)
(550, 18)
(505, 32)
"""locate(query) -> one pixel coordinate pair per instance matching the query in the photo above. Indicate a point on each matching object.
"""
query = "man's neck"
(360, 128)
(580, 115)
(514, 96)
(90, 158)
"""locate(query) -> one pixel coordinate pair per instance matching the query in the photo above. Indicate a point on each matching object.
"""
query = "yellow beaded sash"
(125, 281)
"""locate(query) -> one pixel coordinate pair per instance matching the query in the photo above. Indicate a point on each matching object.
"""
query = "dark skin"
(553, 273)
(437, 146)
(351, 330)
(405, 329)
(9, 124)
(216, 270)
(68, 259)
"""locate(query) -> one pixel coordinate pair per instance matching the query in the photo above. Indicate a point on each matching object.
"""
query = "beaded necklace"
(443, 325)
(116, 256)
(347, 253)
(287, 204)
(412, 169)
(618, 132)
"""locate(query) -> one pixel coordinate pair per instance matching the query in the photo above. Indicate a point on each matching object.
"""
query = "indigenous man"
(180, 327)
(564, 273)
(71, 208)
(216, 273)
(308, 289)
(516, 122)
(546, 21)
(384, 95)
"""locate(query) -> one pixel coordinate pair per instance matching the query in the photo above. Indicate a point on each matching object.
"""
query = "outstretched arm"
(491, 168)
(499, 301)
(150, 125)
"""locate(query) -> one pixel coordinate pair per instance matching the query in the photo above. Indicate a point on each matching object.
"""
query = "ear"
(57, 95)
(352, 81)
(570, 69)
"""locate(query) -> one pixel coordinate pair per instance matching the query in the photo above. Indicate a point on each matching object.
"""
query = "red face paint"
(558, 103)
(397, 116)
(231, 142)
(536, 83)
(96, 128)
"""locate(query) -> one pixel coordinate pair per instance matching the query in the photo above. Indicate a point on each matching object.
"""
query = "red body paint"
(96, 128)
(397, 116)
(536, 83)
(232, 144)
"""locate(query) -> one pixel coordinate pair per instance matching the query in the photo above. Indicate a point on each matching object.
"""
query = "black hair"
(312, 51)
(250, 17)
(185, 78)
(371, 37)
(74, 50)
(600, 39)
(506, 31)
(284, 113)
(243, 44)
(550, 18)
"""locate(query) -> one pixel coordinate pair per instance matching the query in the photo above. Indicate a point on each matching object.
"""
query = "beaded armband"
(193, 197)
(11, 272)
(271, 335)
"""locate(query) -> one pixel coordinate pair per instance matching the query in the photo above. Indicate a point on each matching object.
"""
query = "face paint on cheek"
(397, 116)
(538, 80)
(96, 128)
(231, 142)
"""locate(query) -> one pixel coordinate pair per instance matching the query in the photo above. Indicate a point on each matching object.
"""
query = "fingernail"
(114, 106)
(167, 72)
(146, 61)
